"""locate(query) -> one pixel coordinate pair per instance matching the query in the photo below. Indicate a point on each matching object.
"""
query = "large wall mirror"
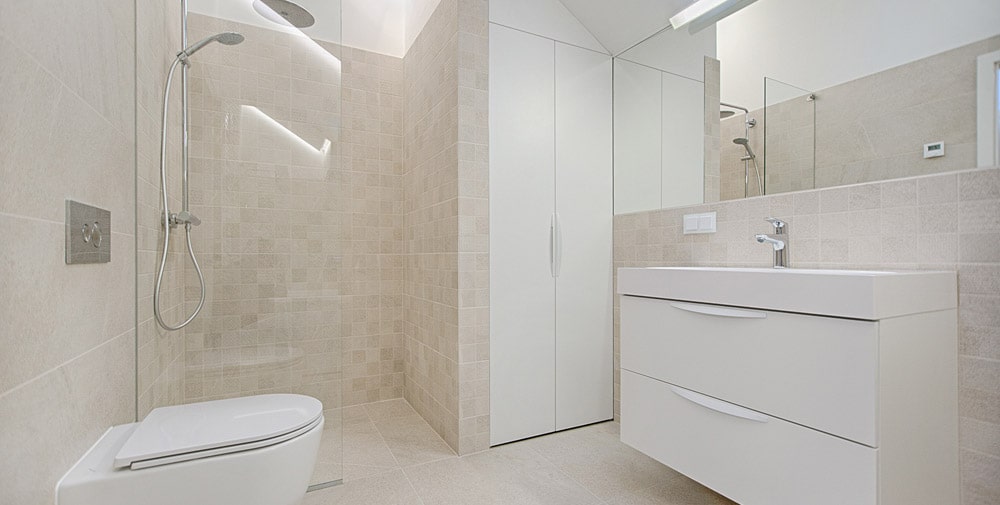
(786, 95)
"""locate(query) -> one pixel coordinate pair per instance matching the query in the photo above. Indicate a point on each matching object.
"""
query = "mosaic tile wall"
(430, 222)
(446, 224)
(473, 226)
(900, 224)
(713, 136)
(373, 283)
(276, 237)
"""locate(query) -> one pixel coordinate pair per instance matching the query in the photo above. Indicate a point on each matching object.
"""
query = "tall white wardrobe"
(550, 235)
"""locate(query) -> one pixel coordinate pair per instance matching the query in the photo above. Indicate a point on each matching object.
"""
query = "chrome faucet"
(779, 241)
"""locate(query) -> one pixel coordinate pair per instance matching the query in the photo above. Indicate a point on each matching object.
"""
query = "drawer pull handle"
(719, 406)
(712, 310)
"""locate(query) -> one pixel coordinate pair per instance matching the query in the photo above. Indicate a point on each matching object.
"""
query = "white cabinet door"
(584, 210)
(522, 188)
(742, 454)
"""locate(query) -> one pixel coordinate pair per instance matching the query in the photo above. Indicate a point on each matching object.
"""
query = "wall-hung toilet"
(255, 450)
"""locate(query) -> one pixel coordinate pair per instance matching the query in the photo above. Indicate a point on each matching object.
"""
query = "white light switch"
(699, 223)
(690, 223)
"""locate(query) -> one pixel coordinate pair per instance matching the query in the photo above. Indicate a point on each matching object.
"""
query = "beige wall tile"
(980, 474)
(51, 420)
(446, 223)
(67, 372)
(53, 312)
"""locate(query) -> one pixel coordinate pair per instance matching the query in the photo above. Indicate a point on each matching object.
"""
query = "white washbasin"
(857, 294)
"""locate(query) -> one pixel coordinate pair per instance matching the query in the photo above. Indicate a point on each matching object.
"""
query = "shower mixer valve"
(184, 217)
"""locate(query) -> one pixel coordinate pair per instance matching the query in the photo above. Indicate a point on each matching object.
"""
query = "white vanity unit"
(795, 387)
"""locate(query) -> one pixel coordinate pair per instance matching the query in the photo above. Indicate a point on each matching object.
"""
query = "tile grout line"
(78, 94)
(418, 416)
(398, 465)
(65, 363)
(561, 472)
(980, 453)
(412, 487)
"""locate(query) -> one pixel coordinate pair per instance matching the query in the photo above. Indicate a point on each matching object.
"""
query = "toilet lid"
(181, 429)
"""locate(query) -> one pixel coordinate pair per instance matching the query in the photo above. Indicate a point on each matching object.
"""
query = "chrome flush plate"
(88, 234)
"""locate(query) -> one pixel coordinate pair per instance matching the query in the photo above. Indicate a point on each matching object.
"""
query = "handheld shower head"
(226, 38)
(745, 142)
(230, 38)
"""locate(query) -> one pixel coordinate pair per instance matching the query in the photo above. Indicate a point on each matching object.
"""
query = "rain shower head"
(226, 38)
(726, 113)
(284, 12)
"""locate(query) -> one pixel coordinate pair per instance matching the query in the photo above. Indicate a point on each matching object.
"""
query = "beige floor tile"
(585, 466)
(412, 441)
(389, 409)
(364, 445)
(385, 489)
(505, 475)
(354, 414)
(678, 490)
(595, 457)
(357, 472)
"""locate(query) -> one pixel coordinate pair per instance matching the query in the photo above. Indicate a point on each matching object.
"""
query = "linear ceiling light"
(704, 13)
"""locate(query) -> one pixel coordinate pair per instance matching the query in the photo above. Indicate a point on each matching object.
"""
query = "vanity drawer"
(749, 457)
(816, 371)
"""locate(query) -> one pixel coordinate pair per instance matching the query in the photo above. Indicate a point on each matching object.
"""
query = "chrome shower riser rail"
(168, 220)
(184, 217)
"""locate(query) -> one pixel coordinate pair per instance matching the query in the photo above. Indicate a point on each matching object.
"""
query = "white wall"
(546, 18)
(677, 52)
(620, 24)
(683, 141)
(638, 118)
(375, 25)
(816, 45)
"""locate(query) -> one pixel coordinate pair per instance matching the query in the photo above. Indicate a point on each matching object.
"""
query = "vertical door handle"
(552, 244)
(557, 250)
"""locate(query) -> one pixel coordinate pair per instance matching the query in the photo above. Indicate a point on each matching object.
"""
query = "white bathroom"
(436, 252)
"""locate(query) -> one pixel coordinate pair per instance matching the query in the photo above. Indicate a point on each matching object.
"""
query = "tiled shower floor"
(393, 457)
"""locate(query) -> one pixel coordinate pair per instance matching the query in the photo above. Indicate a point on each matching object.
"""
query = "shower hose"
(168, 222)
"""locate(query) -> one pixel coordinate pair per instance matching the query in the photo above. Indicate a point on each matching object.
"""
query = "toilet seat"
(193, 431)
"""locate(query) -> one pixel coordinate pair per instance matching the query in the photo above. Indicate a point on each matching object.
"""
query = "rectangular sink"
(856, 294)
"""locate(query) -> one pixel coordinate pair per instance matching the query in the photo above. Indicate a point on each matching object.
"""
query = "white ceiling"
(382, 26)
(619, 24)
(390, 26)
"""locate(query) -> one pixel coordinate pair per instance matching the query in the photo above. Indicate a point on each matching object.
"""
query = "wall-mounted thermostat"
(933, 150)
